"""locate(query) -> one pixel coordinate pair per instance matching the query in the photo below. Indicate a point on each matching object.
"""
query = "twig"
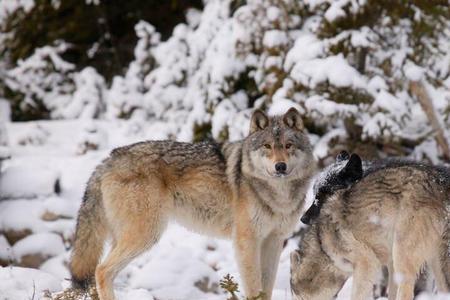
(34, 290)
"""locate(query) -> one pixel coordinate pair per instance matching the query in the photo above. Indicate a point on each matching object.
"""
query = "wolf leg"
(270, 256)
(248, 252)
(367, 269)
(407, 261)
(131, 243)
(248, 257)
(134, 213)
(439, 276)
(392, 287)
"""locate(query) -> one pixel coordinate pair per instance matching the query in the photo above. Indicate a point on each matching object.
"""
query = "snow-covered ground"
(183, 265)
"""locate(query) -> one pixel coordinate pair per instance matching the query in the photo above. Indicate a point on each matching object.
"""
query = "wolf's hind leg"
(137, 221)
(131, 243)
(407, 261)
(437, 266)
(392, 287)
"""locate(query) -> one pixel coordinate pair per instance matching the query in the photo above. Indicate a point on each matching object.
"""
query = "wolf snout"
(281, 167)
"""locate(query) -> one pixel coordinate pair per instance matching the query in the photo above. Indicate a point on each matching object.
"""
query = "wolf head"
(277, 147)
(336, 177)
(313, 276)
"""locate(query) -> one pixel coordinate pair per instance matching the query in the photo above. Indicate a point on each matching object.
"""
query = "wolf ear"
(343, 155)
(259, 121)
(295, 258)
(353, 169)
(292, 119)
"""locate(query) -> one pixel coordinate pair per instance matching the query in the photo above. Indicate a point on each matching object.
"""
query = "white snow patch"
(27, 181)
(413, 72)
(5, 249)
(281, 106)
(23, 283)
(46, 243)
(275, 38)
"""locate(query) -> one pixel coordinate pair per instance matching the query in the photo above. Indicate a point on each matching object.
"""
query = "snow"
(10, 6)
(413, 72)
(319, 107)
(429, 296)
(273, 13)
(387, 102)
(57, 266)
(335, 11)
(46, 244)
(333, 69)
(24, 283)
(275, 38)
(361, 38)
(20, 214)
(321, 148)
(5, 249)
(168, 271)
(5, 110)
(213, 70)
(87, 99)
(22, 181)
(281, 106)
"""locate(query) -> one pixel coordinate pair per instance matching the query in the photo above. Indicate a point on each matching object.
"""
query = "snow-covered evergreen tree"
(42, 83)
(125, 97)
(346, 65)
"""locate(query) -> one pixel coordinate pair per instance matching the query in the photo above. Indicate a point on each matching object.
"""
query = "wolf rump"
(397, 215)
(251, 191)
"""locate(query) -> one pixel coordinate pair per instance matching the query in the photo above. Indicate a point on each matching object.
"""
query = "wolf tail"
(90, 236)
(445, 255)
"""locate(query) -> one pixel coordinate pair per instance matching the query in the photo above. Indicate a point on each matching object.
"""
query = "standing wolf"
(397, 216)
(251, 191)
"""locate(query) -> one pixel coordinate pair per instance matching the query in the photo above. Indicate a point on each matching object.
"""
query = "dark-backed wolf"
(344, 172)
(251, 191)
(397, 215)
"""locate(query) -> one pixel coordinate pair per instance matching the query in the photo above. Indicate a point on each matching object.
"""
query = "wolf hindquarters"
(136, 221)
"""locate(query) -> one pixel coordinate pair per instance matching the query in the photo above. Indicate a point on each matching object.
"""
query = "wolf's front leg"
(247, 247)
(271, 248)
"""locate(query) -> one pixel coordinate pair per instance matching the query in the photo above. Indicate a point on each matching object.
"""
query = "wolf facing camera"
(251, 191)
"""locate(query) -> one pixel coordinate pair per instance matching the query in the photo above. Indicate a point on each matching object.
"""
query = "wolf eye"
(288, 145)
(267, 146)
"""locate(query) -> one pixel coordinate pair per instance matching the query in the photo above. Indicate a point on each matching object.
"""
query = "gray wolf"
(397, 215)
(251, 191)
(340, 175)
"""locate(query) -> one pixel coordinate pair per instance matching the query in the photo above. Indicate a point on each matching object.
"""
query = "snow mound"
(5, 249)
(27, 182)
(24, 283)
(46, 244)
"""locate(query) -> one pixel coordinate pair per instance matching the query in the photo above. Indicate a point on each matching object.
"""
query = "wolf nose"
(280, 167)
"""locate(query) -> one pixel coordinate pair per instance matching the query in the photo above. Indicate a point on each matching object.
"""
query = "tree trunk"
(418, 90)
